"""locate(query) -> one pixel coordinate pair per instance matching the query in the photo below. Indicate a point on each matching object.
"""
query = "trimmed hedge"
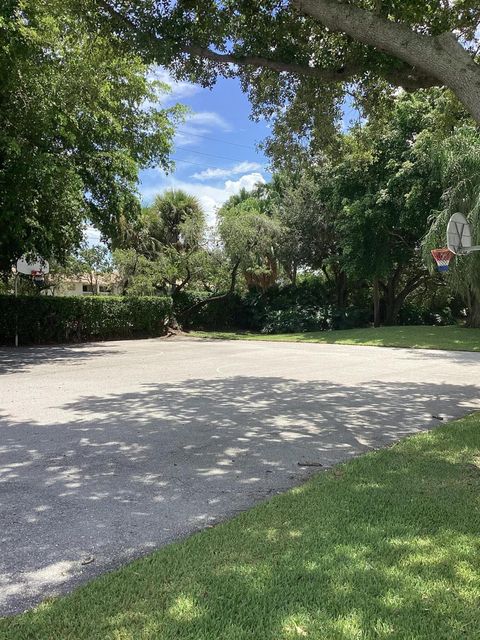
(49, 319)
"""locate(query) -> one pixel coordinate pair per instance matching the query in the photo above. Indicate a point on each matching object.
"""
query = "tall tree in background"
(176, 219)
(163, 250)
(75, 127)
(309, 238)
(387, 186)
(251, 238)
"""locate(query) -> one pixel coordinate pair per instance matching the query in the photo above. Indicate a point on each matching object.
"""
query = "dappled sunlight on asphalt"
(113, 475)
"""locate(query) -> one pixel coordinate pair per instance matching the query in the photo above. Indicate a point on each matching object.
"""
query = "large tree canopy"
(75, 126)
(296, 58)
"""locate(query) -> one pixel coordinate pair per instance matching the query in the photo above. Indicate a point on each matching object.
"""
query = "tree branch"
(407, 77)
(428, 60)
(412, 284)
(184, 282)
(418, 50)
(396, 275)
(378, 6)
(340, 74)
(202, 303)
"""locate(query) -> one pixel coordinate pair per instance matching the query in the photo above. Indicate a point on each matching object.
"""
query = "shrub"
(299, 319)
(46, 319)
(285, 309)
(231, 312)
(411, 314)
(294, 320)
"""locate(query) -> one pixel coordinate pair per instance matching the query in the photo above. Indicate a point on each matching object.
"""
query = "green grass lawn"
(386, 546)
(454, 337)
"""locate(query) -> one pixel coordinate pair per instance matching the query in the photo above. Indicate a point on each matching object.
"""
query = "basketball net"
(37, 277)
(442, 257)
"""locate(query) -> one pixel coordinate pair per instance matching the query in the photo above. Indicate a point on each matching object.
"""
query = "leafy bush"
(349, 317)
(286, 309)
(307, 293)
(412, 314)
(300, 319)
(231, 312)
(305, 297)
(45, 319)
(306, 306)
(294, 320)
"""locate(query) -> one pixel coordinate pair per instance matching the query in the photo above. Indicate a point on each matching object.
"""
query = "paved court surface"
(109, 450)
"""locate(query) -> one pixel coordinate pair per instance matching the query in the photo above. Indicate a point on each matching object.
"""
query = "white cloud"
(179, 89)
(208, 119)
(198, 124)
(91, 235)
(245, 182)
(211, 198)
(241, 167)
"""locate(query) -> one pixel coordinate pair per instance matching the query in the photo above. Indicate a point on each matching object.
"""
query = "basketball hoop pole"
(16, 310)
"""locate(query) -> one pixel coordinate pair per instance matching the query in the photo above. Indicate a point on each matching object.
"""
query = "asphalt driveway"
(110, 450)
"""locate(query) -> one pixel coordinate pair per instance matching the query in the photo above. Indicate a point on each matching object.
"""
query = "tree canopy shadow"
(135, 470)
(16, 360)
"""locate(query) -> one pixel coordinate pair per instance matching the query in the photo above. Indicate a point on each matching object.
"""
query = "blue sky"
(215, 149)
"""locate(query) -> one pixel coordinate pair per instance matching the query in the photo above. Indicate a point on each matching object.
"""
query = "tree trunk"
(473, 319)
(376, 303)
(341, 287)
(389, 303)
(440, 57)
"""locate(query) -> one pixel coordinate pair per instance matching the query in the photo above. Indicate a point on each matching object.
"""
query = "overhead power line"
(200, 135)
(198, 164)
(212, 155)
(195, 163)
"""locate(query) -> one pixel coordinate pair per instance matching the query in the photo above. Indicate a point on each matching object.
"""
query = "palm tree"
(176, 219)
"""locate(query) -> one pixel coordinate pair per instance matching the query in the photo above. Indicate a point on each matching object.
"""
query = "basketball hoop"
(35, 268)
(442, 257)
(30, 267)
(37, 276)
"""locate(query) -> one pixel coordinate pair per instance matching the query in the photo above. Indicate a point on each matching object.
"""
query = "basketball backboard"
(37, 265)
(459, 237)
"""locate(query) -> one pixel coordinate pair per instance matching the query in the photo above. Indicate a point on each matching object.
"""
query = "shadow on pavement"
(15, 360)
(133, 471)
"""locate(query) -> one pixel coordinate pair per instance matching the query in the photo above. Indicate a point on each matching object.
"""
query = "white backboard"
(459, 237)
(25, 266)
